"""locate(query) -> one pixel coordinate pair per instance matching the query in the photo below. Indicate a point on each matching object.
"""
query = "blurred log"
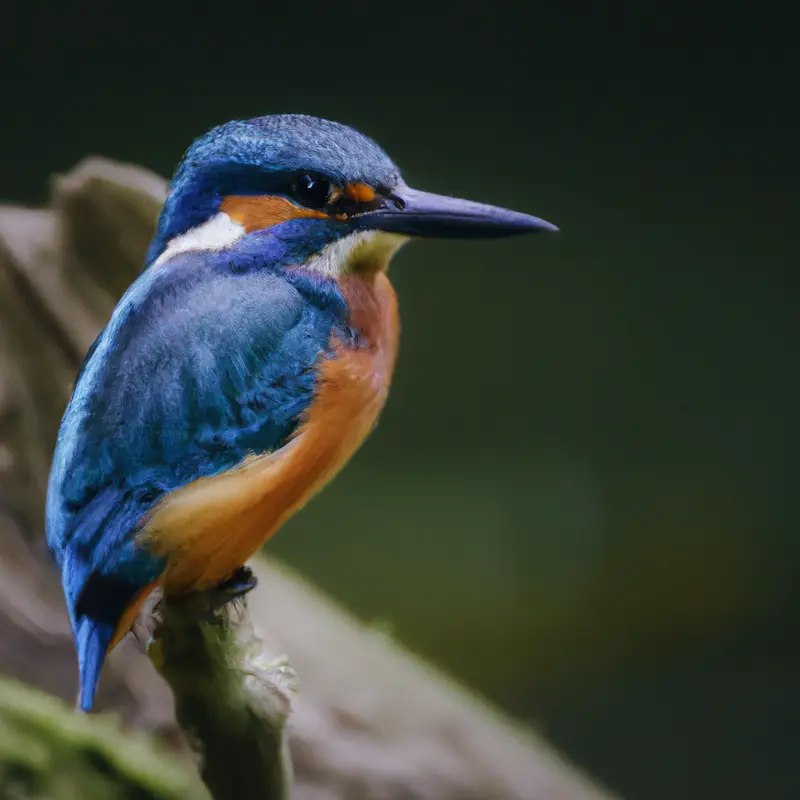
(371, 721)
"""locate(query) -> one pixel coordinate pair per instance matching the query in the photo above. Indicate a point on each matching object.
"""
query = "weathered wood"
(370, 721)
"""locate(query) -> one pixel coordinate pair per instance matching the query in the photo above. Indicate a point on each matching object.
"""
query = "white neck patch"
(369, 250)
(216, 233)
(365, 250)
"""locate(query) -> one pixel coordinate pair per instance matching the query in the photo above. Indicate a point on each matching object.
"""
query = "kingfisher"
(241, 370)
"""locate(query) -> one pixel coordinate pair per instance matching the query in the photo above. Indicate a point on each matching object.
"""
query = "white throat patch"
(216, 233)
(365, 251)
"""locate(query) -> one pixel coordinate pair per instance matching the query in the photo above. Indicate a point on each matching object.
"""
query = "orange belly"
(209, 528)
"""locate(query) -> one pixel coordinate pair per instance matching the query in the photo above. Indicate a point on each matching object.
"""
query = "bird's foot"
(205, 603)
(201, 605)
(233, 588)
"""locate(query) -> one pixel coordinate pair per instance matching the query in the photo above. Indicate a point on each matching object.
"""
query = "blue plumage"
(205, 360)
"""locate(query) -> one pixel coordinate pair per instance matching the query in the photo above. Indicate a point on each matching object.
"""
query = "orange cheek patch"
(256, 213)
(359, 192)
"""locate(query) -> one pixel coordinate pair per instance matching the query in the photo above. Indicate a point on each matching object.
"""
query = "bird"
(241, 370)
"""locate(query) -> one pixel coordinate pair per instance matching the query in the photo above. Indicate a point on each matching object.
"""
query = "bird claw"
(201, 605)
(231, 589)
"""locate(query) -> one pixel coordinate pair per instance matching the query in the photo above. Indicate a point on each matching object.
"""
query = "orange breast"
(212, 526)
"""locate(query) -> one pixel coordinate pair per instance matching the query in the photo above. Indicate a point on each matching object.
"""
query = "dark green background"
(582, 496)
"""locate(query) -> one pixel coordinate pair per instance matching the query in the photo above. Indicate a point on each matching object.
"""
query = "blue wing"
(198, 367)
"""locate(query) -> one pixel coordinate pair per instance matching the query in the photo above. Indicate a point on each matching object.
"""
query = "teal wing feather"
(196, 369)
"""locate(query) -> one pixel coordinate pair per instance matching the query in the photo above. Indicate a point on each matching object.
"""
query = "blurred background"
(582, 497)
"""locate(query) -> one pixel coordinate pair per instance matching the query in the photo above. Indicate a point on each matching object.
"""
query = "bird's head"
(310, 192)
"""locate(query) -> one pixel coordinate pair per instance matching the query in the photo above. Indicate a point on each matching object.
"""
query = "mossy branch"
(229, 697)
(47, 750)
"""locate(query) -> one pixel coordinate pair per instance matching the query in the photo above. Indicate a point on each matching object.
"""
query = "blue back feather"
(206, 359)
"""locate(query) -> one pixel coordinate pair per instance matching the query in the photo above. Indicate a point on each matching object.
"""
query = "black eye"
(312, 192)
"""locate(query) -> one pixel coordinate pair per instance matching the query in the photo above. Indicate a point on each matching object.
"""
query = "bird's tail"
(92, 639)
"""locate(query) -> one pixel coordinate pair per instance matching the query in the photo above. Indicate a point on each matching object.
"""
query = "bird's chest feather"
(210, 527)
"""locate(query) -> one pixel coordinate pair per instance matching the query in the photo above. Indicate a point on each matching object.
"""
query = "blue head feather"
(259, 156)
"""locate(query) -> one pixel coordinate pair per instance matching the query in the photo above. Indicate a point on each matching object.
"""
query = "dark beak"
(414, 213)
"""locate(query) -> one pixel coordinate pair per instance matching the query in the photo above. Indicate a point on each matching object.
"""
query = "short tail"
(92, 639)
(97, 603)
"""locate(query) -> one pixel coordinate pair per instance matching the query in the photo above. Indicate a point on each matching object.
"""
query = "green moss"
(47, 750)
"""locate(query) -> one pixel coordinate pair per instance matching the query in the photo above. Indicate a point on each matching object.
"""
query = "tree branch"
(232, 699)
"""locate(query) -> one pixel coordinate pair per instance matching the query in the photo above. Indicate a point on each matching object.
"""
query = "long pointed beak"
(416, 213)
